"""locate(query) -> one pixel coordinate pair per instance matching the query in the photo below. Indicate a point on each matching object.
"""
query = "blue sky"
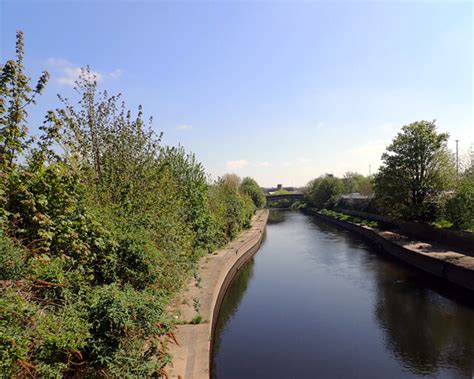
(280, 91)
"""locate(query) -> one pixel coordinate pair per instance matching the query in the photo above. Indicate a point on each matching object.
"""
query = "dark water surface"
(320, 302)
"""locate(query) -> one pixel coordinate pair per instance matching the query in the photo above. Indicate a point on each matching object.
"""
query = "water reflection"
(318, 301)
(232, 300)
(425, 330)
(276, 216)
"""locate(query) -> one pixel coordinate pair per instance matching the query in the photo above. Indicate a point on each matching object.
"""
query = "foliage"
(298, 205)
(15, 95)
(11, 259)
(416, 168)
(460, 208)
(251, 188)
(100, 225)
(281, 191)
(442, 224)
(324, 192)
(349, 218)
(196, 320)
(279, 203)
(193, 188)
(355, 182)
(232, 209)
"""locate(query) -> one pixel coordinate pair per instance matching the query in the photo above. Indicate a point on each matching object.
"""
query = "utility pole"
(370, 169)
(457, 157)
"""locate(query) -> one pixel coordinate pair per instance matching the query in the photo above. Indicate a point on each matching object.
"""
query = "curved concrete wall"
(192, 357)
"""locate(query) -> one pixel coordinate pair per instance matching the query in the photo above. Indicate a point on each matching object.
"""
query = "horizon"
(281, 92)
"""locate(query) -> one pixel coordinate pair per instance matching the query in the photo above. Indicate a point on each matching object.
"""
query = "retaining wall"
(458, 240)
(192, 357)
(441, 268)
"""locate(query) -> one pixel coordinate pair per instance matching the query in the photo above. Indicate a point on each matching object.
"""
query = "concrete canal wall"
(457, 240)
(446, 264)
(191, 359)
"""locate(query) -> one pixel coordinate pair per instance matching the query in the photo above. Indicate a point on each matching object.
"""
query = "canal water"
(319, 302)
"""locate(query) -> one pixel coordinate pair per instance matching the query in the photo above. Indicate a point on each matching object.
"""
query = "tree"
(192, 181)
(323, 192)
(460, 208)
(15, 95)
(251, 188)
(417, 168)
(355, 182)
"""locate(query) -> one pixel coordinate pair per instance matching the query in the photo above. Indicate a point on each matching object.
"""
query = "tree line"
(419, 180)
(100, 226)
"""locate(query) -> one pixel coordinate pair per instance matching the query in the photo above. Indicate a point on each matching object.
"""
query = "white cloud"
(304, 160)
(66, 73)
(116, 74)
(263, 164)
(236, 165)
(184, 127)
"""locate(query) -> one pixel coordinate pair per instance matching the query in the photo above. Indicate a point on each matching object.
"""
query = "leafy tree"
(115, 151)
(417, 167)
(232, 209)
(460, 208)
(251, 188)
(15, 95)
(323, 192)
(355, 182)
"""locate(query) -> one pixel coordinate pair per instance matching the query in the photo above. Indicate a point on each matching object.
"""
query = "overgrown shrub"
(460, 208)
(100, 225)
(251, 188)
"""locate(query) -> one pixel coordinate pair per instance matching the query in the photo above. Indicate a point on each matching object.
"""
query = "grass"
(196, 320)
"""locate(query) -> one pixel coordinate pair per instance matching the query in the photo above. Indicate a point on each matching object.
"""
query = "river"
(320, 302)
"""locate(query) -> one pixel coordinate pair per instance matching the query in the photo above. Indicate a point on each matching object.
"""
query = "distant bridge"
(288, 196)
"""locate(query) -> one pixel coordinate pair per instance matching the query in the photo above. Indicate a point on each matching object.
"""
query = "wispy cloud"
(263, 164)
(236, 165)
(116, 74)
(304, 160)
(184, 127)
(66, 73)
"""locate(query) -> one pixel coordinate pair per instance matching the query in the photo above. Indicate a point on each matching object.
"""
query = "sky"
(280, 91)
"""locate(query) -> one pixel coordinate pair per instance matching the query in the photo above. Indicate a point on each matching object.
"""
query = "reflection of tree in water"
(232, 300)
(425, 330)
(276, 216)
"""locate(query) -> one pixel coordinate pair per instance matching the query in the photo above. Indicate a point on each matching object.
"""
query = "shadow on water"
(428, 325)
(231, 302)
(276, 216)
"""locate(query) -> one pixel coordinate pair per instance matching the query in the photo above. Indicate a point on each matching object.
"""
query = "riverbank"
(453, 266)
(196, 308)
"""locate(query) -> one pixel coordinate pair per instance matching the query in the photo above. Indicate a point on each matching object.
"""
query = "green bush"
(251, 188)
(12, 259)
(97, 238)
(348, 218)
(324, 192)
(460, 208)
